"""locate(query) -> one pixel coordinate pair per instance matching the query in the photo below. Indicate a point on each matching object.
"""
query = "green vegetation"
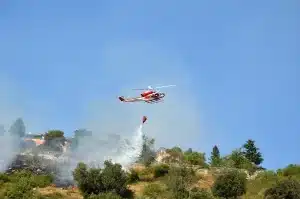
(215, 159)
(153, 190)
(171, 181)
(148, 154)
(96, 180)
(251, 152)
(231, 184)
(180, 175)
(284, 189)
(194, 158)
(161, 170)
(20, 184)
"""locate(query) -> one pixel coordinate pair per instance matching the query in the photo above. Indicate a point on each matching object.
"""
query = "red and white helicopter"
(150, 95)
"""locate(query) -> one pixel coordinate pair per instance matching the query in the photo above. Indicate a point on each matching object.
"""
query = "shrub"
(195, 158)
(146, 174)
(178, 181)
(133, 176)
(153, 190)
(22, 184)
(36, 180)
(96, 180)
(175, 155)
(196, 193)
(41, 180)
(161, 170)
(14, 177)
(267, 176)
(230, 184)
(115, 179)
(291, 170)
(4, 178)
(236, 160)
(279, 172)
(22, 189)
(240, 161)
(289, 189)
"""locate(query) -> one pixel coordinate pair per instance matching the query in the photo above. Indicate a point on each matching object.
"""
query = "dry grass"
(69, 193)
(138, 167)
(138, 188)
(206, 181)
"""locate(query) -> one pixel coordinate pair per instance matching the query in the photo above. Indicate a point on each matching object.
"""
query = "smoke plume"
(93, 152)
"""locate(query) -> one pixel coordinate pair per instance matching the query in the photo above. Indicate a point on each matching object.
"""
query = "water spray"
(91, 153)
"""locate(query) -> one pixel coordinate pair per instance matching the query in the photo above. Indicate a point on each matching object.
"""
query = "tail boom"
(123, 99)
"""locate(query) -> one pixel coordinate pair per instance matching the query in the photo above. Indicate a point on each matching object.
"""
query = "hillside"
(176, 175)
(151, 186)
(53, 169)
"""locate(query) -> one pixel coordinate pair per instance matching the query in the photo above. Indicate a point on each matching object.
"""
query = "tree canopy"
(51, 134)
(251, 152)
(230, 184)
(54, 139)
(18, 128)
(96, 180)
(215, 158)
(82, 133)
(195, 158)
(148, 153)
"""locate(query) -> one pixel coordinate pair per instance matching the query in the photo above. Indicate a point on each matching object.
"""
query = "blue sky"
(236, 65)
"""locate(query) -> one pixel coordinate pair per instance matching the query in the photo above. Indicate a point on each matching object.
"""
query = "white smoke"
(9, 148)
(93, 152)
(131, 150)
(13, 105)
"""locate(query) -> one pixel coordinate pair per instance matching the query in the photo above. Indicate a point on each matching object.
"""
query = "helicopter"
(150, 95)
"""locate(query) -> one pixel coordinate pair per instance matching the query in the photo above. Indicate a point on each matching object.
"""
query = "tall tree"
(54, 134)
(176, 149)
(82, 133)
(55, 139)
(175, 154)
(238, 159)
(215, 158)
(251, 152)
(79, 134)
(195, 158)
(18, 128)
(148, 153)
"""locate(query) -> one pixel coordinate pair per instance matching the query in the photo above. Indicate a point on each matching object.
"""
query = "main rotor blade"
(165, 86)
(140, 89)
(151, 88)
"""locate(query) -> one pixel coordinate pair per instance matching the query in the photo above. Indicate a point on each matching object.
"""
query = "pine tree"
(251, 152)
(147, 155)
(18, 128)
(215, 159)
